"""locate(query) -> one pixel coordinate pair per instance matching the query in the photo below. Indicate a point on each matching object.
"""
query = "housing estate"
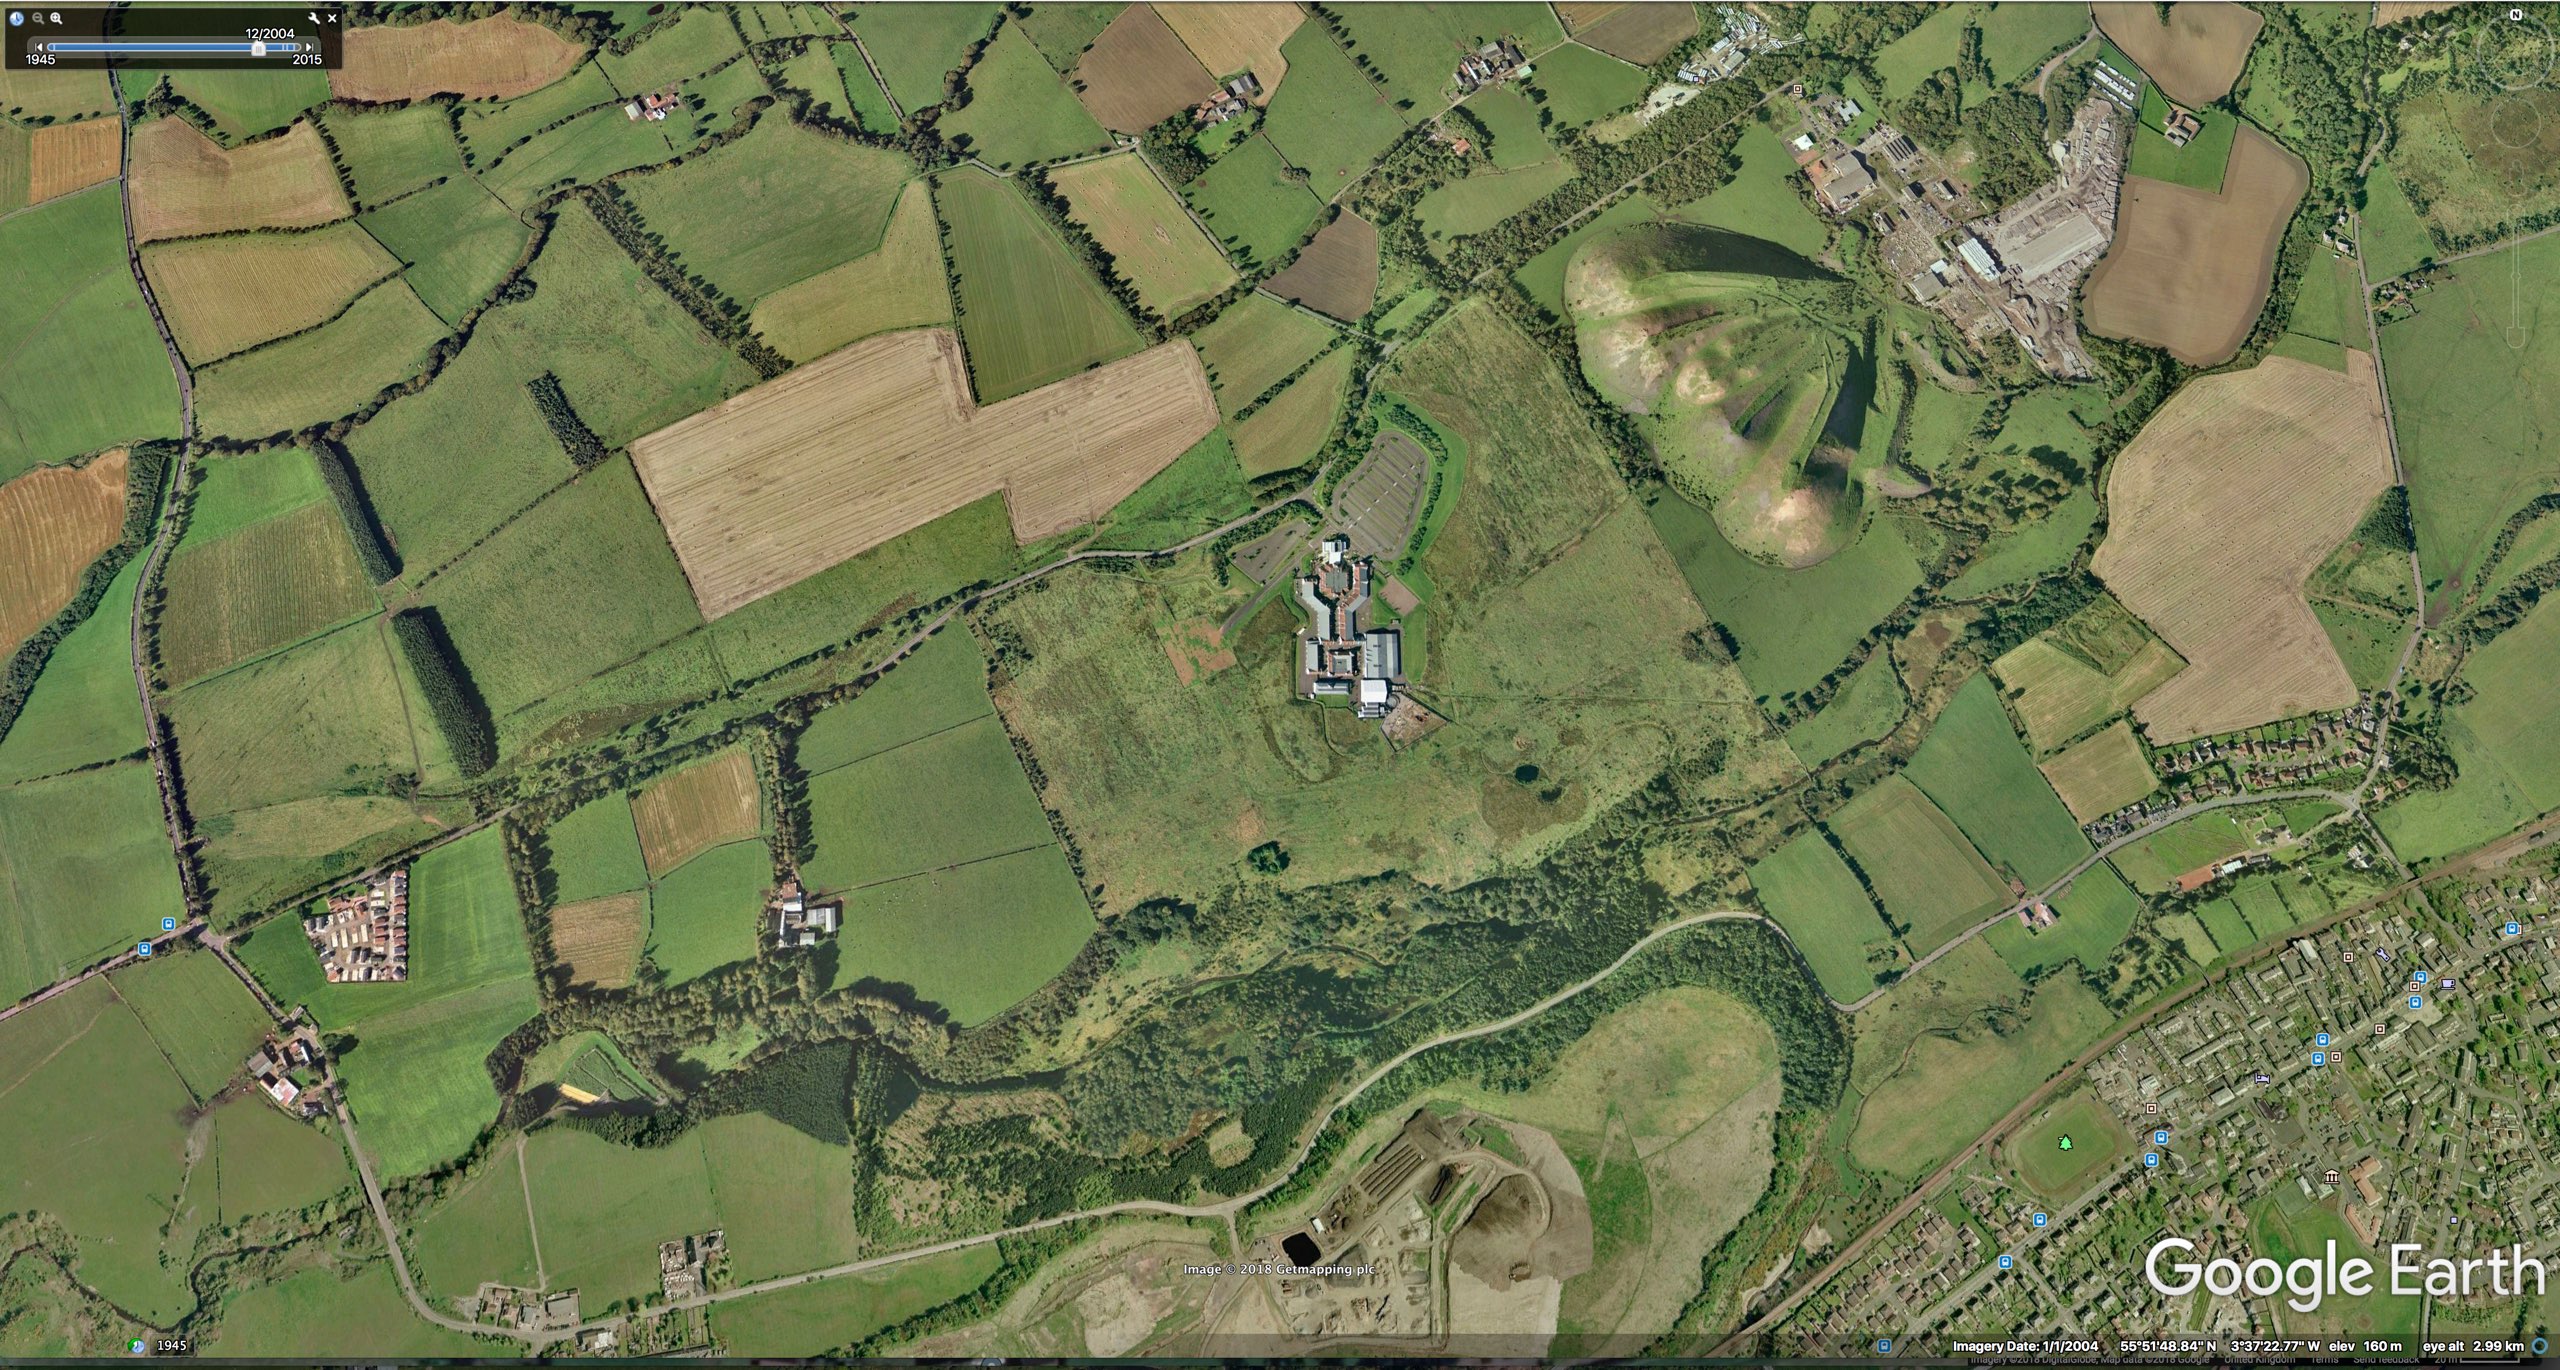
(1337, 657)
(364, 937)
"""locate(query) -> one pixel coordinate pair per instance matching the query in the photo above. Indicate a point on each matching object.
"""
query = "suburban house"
(1337, 657)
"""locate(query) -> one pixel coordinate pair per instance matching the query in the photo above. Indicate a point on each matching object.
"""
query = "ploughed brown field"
(493, 58)
(1338, 272)
(2195, 56)
(1640, 33)
(184, 184)
(600, 939)
(1138, 73)
(2218, 511)
(1242, 36)
(54, 521)
(2190, 269)
(696, 809)
(63, 158)
(785, 480)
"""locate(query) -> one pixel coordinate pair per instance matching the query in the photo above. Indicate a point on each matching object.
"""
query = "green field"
(480, 1233)
(946, 799)
(2101, 773)
(417, 1079)
(334, 705)
(1292, 427)
(490, 129)
(973, 938)
(234, 492)
(1487, 197)
(205, 1021)
(390, 152)
(82, 709)
(774, 207)
(2150, 864)
(1512, 123)
(1761, 199)
(705, 913)
(1864, 708)
(697, 40)
(939, 687)
(269, 1163)
(2098, 1141)
(382, 340)
(2090, 919)
(602, 1209)
(1063, 31)
(1826, 912)
(80, 365)
(2471, 464)
(2395, 240)
(900, 285)
(1577, 85)
(85, 870)
(1029, 311)
(814, 1319)
(916, 45)
(1248, 199)
(248, 592)
(611, 590)
(1257, 343)
(431, 462)
(2199, 164)
(595, 851)
(2285, 1232)
(1327, 118)
(2508, 713)
(2369, 644)
(1794, 626)
(1414, 47)
(1019, 110)
(970, 544)
(862, 94)
(316, 1314)
(244, 103)
(1976, 769)
(751, 1159)
(109, 1163)
(582, 151)
(458, 240)
(1930, 880)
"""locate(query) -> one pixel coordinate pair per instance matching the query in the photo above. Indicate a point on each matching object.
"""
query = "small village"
(275, 1062)
(364, 938)
(2332, 744)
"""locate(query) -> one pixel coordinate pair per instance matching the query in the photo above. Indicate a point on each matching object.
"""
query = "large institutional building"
(1336, 656)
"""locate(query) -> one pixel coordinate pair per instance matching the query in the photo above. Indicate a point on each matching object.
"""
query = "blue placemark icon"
(2006, 1262)
(2038, 1220)
(2417, 977)
(2417, 1001)
(2151, 1160)
(2160, 1137)
(142, 948)
(2319, 1058)
(168, 925)
(1884, 1346)
(2320, 1041)
(2513, 928)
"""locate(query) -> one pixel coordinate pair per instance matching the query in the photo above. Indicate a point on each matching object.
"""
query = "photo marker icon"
(142, 949)
(2319, 1058)
(2513, 928)
(2320, 1041)
(2007, 1261)
(2417, 1001)
(2160, 1137)
(168, 925)
(2151, 1160)
(2038, 1220)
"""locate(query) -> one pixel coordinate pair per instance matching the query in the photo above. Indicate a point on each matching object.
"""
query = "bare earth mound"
(2189, 270)
(781, 482)
(68, 157)
(696, 809)
(1337, 274)
(494, 58)
(54, 521)
(2218, 511)
(1138, 73)
(1228, 38)
(183, 184)
(2195, 56)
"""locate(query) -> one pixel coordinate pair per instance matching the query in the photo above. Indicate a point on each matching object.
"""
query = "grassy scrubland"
(417, 1080)
(1794, 626)
(1865, 707)
(1761, 198)
(1947, 1089)
(2018, 555)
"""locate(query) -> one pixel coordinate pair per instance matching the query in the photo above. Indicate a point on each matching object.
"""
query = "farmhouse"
(1337, 658)
(800, 921)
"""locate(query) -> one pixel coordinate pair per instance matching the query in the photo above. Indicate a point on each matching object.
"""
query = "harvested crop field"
(696, 809)
(1292, 428)
(306, 279)
(183, 184)
(1138, 73)
(2189, 269)
(1338, 272)
(1153, 243)
(599, 939)
(2101, 775)
(69, 157)
(1640, 33)
(900, 285)
(496, 58)
(2218, 512)
(54, 521)
(1228, 38)
(2195, 55)
(791, 477)
(1258, 343)
(247, 592)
